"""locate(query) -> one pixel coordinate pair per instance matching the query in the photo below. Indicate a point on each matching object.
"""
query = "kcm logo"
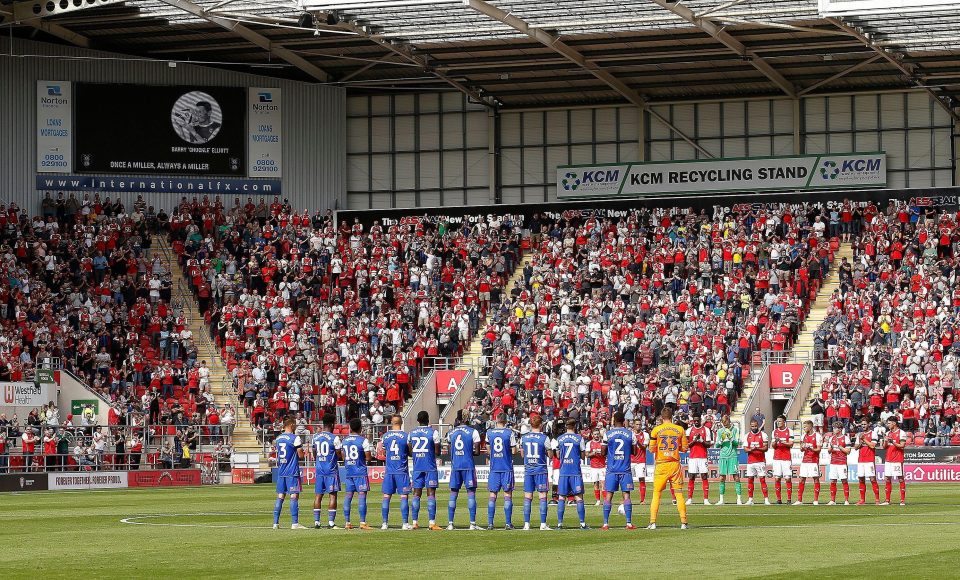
(829, 170)
(265, 97)
(570, 181)
(54, 91)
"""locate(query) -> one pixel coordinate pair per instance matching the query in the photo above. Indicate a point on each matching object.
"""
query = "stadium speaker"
(305, 20)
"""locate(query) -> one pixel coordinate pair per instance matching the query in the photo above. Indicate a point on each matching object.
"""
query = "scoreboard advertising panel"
(190, 131)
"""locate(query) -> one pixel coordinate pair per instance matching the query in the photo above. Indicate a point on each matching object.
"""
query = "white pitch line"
(132, 521)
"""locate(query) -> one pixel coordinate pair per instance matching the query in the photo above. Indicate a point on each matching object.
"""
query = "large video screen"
(159, 129)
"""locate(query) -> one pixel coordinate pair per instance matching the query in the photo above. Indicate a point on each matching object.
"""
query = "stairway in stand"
(473, 353)
(221, 383)
(802, 351)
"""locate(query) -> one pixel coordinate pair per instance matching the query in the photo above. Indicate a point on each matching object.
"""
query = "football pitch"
(226, 532)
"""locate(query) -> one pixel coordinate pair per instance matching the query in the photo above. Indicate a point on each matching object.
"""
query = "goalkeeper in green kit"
(728, 440)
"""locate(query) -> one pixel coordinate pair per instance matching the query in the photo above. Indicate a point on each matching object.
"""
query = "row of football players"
(622, 451)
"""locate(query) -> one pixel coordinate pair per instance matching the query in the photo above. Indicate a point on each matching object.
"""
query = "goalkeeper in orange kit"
(667, 441)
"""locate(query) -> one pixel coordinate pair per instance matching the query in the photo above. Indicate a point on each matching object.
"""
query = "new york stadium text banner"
(794, 173)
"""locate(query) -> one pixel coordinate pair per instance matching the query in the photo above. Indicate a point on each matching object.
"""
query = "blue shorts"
(501, 481)
(428, 479)
(327, 484)
(288, 484)
(463, 478)
(535, 482)
(618, 482)
(396, 483)
(359, 483)
(569, 485)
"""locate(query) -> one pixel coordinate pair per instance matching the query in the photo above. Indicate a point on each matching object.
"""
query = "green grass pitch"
(225, 532)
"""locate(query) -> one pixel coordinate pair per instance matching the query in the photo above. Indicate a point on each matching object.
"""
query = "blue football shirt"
(500, 444)
(397, 449)
(569, 448)
(423, 447)
(620, 442)
(462, 440)
(288, 462)
(325, 446)
(534, 447)
(355, 448)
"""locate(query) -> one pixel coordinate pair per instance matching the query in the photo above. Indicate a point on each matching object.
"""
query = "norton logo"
(54, 91)
(265, 97)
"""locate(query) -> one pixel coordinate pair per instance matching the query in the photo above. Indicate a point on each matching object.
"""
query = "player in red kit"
(638, 461)
(894, 441)
(839, 446)
(782, 464)
(866, 447)
(598, 464)
(756, 443)
(699, 438)
(810, 445)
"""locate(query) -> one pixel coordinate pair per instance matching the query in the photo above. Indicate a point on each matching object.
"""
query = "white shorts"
(867, 470)
(756, 470)
(893, 470)
(598, 474)
(810, 470)
(782, 468)
(554, 476)
(838, 472)
(697, 466)
(639, 471)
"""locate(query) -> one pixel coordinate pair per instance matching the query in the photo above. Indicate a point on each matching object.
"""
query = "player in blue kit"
(396, 478)
(464, 446)
(534, 447)
(618, 444)
(425, 447)
(356, 454)
(289, 453)
(570, 449)
(326, 451)
(501, 443)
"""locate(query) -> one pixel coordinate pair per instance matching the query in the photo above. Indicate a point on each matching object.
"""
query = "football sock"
(416, 507)
(816, 490)
(628, 508)
(316, 516)
(846, 490)
(472, 505)
(876, 490)
(405, 509)
(491, 508)
(581, 512)
(606, 512)
(596, 493)
(362, 506)
(889, 489)
(332, 516)
(452, 506)
(723, 488)
(833, 491)
(690, 488)
(682, 508)
(800, 490)
(749, 488)
(543, 510)
(432, 508)
(385, 509)
(789, 490)
(863, 490)
(739, 487)
(561, 507)
(527, 508)
(706, 488)
(763, 488)
(776, 488)
(277, 508)
(643, 490)
(655, 505)
(295, 510)
(508, 509)
(347, 500)
(903, 491)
